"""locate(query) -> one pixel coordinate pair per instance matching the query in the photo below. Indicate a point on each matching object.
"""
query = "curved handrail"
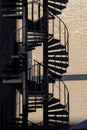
(59, 20)
(65, 90)
(62, 31)
(67, 93)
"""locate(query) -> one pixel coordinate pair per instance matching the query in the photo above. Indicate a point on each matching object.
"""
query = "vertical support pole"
(24, 76)
(45, 61)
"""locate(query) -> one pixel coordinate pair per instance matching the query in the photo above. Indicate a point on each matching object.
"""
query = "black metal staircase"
(57, 37)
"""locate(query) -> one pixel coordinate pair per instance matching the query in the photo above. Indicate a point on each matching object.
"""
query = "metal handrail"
(65, 91)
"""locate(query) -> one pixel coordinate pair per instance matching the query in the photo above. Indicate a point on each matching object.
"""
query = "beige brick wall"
(75, 17)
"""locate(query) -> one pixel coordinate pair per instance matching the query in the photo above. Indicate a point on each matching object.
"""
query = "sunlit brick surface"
(75, 17)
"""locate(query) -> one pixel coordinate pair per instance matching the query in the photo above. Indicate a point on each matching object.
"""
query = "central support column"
(45, 62)
(24, 76)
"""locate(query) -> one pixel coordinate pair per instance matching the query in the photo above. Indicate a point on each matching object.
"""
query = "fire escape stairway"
(58, 61)
(58, 104)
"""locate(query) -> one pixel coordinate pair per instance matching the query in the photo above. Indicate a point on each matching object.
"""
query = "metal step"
(64, 65)
(41, 39)
(55, 5)
(35, 106)
(38, 36)
(58, 53)
(12, 11)
(9, 77)
(36, 94)
(10, 5)
(39, 94)
(13, 16)
(53, 41)
(53, 101)
(54, 75)
(58, 118)
(56, 106)
(14, 1)
(53, 11)
(60, 1)
(31, 45)
(61, 112)
(35, 41)
(55, 47)
(32, 110)
(55, 69)
(30, 49)
(35, 103)
(65, 59)
(59, 124)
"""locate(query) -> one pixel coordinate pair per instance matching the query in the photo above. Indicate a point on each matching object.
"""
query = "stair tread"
(55, 47)
(53, 101)
(64, 65)
(10, 5)
(54, 11)
(39, 35)
(56, 106)
(60, 1)
(55, 5)
(54, 75)
(55, 69)
(7, 12)
(32, 110)
(65, 59)
(61, 112)
(35, 106)
(13, 16)
(10, 77)
(59, 118)
(18, 1)
(59, 124)
(36, 94)
(33, 44)
(41, 38)
(35, 103)
(30, 49)
(58, 52)
(53, 41)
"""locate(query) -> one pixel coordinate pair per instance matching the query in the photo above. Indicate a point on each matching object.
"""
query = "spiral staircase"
(45, 89)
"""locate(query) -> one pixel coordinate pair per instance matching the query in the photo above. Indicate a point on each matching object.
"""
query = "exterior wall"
(75, 17)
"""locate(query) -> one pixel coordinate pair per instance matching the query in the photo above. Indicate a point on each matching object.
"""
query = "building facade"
(75, 18)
